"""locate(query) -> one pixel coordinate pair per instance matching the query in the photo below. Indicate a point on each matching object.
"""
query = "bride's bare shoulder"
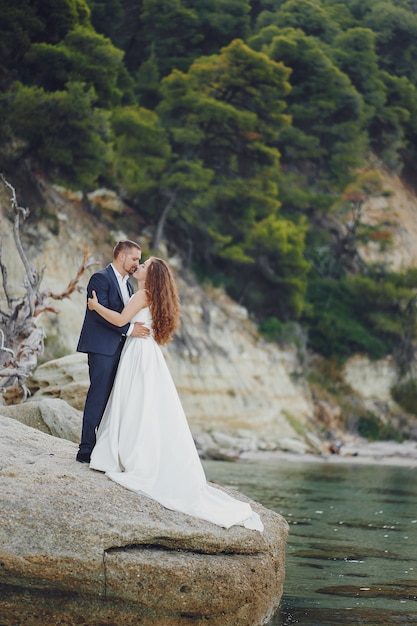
(141, 297)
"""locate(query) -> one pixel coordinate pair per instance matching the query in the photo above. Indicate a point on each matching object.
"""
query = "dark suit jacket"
(97, 335)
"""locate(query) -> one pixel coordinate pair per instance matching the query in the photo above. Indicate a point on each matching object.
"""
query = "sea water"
(352, 548)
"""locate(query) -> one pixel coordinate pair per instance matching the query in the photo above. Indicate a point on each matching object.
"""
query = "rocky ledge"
(76, 548)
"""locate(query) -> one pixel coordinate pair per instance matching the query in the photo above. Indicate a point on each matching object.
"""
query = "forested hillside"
(243, 132)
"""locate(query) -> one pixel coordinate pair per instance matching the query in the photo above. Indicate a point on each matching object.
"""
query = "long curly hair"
(164, 302)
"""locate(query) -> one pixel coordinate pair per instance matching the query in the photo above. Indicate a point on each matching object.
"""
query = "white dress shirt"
(122, 280)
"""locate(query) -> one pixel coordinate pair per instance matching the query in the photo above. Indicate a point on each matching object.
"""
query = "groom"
(102, 341)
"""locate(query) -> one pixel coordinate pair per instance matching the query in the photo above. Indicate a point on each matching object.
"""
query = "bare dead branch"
(22, 341)
(3, 347)
(5, 278)
(20, 212)
(72, 285)
(46, 309)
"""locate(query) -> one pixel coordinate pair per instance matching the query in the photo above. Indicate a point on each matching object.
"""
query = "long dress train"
(145, 444)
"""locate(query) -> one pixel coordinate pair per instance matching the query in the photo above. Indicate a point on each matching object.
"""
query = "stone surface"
(228, 377)
(76, 548)
(395, 213)
(371, 379)
(65, 378)
(49, 415)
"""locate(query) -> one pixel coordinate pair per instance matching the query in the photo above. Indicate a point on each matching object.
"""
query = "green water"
(352, 547)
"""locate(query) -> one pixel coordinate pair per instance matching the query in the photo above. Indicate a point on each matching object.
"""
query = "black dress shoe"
(83, 457)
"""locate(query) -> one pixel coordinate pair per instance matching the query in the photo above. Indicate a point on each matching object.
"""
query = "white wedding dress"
(145, 444)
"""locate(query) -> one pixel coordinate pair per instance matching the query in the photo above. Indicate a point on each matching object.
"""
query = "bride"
(144, 442)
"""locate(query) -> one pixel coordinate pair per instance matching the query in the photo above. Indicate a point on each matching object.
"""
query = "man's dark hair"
(124, 246)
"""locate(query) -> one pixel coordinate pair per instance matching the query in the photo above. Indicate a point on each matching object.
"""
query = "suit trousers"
(102, 370)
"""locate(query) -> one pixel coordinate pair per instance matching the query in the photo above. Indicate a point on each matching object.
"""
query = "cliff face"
(395, 211)
(228, 378)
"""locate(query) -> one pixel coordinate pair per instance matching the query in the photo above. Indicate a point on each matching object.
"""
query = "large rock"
(371, 380)
(76, 548)
(49, 415)
(65, 378)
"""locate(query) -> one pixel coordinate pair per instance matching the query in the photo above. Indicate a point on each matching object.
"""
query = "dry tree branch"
(66, 293)
(21, 339)
(73, 284)
(2, 347)
(5, 279)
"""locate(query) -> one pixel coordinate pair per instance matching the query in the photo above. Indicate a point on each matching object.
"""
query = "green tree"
(340, 14)
(25, 22)
(82, 56)
(225, 112)
(18, 24)
(59, 17)
(226, 115)
(278, 246)
(62, 132)
(175, 32)
(172, 28)
(147, 82)
(355, 54)
(390, 125)
(141, 151)
(334, 328)
(386, 111)
(396, 38)
(390, 100)
(107, 17)
(305, 15)
(220, 21)
(326, 139)
(374, 314)
(120, 21)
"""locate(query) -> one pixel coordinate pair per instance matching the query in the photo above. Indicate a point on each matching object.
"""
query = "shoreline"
(357, 452)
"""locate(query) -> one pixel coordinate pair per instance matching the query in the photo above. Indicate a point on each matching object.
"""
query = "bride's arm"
(136, 303)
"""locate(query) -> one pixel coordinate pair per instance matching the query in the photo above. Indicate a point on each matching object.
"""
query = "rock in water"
(76, 548)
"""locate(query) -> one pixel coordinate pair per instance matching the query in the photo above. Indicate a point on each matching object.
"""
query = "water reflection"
(352, 548)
